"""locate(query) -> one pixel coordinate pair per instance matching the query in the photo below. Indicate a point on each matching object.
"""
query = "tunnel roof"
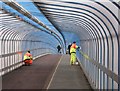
(89, 19)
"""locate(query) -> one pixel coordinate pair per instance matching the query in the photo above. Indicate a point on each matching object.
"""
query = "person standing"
(69, 48)
(73, 53)
(59, 48)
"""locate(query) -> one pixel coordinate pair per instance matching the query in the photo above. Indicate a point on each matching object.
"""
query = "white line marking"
(54, 73)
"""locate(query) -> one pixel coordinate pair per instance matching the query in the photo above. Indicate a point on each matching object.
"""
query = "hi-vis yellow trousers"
(73, 58)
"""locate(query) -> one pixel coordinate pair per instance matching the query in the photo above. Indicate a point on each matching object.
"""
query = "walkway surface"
(35, 76)
(47, 72)
(68, 77)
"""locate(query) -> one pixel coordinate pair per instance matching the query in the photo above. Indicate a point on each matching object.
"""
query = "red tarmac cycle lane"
(36, 76)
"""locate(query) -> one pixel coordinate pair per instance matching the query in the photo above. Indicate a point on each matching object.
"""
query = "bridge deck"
(68, 76)
(47, 72)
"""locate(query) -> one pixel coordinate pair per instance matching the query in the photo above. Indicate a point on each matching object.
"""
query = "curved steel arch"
(18, 27)
(87, 15)
(93, 29)
(94, 24)
(71, 16)
(106, 26)
(105, 33)
(79, 3)
(26, 13)
(100, 19)
(105, 36)
(68, 19)
(109, 9)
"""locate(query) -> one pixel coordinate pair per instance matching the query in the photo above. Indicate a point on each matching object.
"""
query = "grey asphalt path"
(68, 77)
(31, 78)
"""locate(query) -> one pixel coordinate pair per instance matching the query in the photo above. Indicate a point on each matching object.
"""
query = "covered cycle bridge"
(41, 25)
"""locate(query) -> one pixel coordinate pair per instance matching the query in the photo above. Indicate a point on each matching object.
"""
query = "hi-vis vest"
(73, 48)
(27, 56)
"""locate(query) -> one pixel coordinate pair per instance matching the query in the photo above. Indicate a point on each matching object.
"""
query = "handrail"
(111, 74)
(19, 52)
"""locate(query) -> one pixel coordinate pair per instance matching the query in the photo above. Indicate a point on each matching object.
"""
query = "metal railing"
(16, 39)
(94, 70)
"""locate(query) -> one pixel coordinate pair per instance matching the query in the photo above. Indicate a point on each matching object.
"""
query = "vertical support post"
(119, 66)
(0, 65)
(119, 54)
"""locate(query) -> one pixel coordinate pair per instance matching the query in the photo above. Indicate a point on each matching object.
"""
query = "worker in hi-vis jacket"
(73, 53)
(28, 58)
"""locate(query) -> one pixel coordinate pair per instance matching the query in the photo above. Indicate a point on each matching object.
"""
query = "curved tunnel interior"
(93, 24)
